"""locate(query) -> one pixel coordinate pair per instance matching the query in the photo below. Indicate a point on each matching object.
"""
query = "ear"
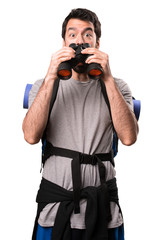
(98, 44)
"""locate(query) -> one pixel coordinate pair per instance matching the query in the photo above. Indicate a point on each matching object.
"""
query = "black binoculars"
(94, 70)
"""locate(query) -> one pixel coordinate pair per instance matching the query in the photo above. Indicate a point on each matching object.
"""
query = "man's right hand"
(64, 54)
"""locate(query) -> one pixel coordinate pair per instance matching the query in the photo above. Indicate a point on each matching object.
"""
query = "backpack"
(136, 104)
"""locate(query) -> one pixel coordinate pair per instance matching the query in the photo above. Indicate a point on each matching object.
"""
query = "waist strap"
(77, 159)
(97, 213)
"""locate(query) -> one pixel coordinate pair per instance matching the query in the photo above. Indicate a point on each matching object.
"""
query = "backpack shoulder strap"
(105, 95)
(115, 137)
(53, 99)
(54, 95)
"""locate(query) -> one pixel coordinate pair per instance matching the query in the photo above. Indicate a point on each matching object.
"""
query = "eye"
(88, 35)
(72, 35)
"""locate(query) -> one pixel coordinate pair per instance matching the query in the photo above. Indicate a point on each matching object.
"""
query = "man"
(80, 121)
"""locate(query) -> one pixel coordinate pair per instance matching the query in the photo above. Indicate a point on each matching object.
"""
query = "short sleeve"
(126, 92)
(34, 91)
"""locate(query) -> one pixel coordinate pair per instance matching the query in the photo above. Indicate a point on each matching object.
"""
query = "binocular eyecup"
(94, 71)
(64, 71)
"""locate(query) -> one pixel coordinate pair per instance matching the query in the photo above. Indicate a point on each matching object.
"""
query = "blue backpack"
(136, 104)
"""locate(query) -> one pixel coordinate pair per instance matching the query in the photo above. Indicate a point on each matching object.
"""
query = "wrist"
(49, 80)
(108, 78)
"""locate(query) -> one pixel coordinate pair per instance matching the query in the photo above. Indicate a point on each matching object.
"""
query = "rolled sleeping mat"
(137, 108)
(26, 95)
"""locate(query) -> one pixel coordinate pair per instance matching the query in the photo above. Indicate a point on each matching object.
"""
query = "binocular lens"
(64, 73)
(95, 72)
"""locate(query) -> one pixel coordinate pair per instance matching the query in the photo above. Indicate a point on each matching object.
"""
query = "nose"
(79, 39)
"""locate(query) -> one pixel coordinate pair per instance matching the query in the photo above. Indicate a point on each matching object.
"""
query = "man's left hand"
(101, 58)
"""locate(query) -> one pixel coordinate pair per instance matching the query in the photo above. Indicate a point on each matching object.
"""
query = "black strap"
(79, 158)
(53, 98)
(105, 95)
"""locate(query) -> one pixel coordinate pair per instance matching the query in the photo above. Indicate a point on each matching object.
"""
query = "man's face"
(78, 32)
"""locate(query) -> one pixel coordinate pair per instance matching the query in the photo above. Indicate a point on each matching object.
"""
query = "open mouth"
(79, 64)
(80, 68)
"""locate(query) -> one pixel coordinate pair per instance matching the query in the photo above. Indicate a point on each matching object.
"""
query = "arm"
(35, 120)
(124, 119)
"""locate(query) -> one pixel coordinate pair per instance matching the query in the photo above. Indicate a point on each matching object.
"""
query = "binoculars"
(94, 70)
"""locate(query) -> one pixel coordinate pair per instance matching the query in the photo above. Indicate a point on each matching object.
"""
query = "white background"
(30, 33)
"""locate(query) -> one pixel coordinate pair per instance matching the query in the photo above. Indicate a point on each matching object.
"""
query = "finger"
(64, 59)
(94, 58)
(91, 51)
(88, 51)
(66, 52)
(62, 55)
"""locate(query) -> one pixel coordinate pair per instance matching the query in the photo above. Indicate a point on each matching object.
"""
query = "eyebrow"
(86, 29)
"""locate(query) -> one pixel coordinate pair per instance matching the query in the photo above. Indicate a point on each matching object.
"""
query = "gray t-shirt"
(80, 121)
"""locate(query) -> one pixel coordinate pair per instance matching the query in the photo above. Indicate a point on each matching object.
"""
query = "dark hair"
(85, 15)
